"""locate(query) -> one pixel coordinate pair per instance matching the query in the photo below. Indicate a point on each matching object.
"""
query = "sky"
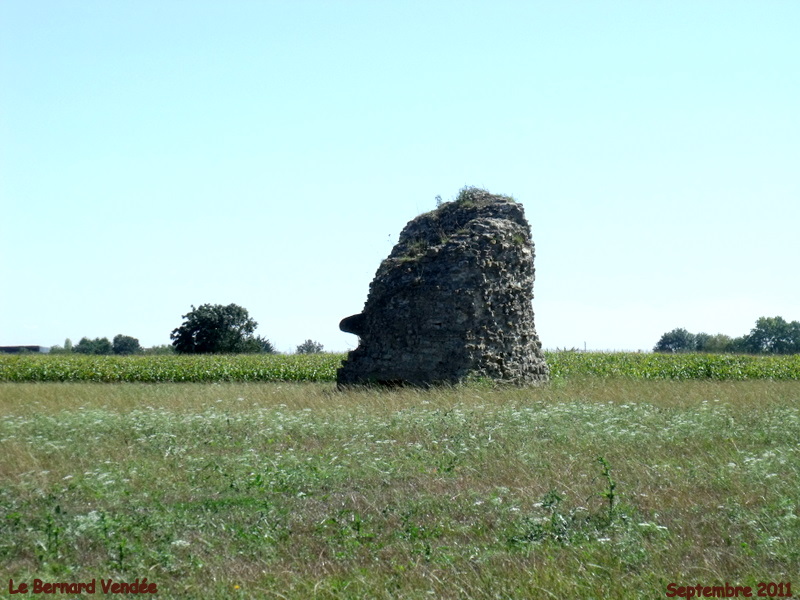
(156, 155)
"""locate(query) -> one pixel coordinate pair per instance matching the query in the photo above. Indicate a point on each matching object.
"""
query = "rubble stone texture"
(452, 301)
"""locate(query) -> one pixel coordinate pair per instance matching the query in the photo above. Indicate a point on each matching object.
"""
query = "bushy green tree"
(125, 344)
(774, 335)
(65, 349)
(214, 328)
(794, 335)
(701, 341)
(739, 345)
(309, 347)
(719, 343)
(265, 345)
(677, 340)
(95, 346)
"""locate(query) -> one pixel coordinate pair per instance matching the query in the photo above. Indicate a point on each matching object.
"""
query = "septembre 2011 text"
(762, 590)
(107, 586)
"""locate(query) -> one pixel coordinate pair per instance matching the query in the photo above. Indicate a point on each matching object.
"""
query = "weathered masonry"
(452, 301)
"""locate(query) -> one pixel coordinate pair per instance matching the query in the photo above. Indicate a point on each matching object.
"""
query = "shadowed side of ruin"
(452, 301)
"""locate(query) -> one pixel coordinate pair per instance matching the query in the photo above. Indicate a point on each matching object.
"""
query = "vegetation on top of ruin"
(470, 196)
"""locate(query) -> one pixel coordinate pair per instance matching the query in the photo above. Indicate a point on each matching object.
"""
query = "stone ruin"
(453, 301)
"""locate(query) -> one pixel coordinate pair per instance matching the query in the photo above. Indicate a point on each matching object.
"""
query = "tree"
(739, 345)
(794, 335)
(65, 349)
(125, 344)
(309, 347)
(701, 340)
(677, 340)
(705, 342)
(215, 328)
(160, 350)
(95, 346)
(84, 346)
(265, 345)
(775, 336)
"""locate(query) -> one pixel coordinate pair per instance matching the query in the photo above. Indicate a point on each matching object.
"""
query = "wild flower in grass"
(652, 526)
(88, 522)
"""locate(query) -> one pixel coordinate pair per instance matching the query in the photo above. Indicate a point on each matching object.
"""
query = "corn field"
(322, 367)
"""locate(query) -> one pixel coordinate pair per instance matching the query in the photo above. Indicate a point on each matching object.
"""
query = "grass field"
(591, 487)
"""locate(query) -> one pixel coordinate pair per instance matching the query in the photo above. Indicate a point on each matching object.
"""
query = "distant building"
(18, 349)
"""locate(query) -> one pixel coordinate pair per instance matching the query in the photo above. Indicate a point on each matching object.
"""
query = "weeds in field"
(466, 492)
(609, 493)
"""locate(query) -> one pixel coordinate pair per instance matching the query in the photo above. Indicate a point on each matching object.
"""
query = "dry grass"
(299, 491)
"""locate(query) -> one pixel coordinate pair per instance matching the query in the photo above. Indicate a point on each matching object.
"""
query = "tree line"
(771, 335)
(122, 344)
(207, 329)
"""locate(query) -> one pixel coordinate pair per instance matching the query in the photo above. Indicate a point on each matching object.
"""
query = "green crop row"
(731, 367)
(322, 367)
(170, 368)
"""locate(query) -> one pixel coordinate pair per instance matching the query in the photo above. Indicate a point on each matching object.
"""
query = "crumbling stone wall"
(452, 300)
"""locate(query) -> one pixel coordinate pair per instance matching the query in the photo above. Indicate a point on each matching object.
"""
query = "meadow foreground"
(587, 488)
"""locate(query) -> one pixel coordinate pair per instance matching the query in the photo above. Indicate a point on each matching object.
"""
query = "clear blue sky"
(159, 154)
